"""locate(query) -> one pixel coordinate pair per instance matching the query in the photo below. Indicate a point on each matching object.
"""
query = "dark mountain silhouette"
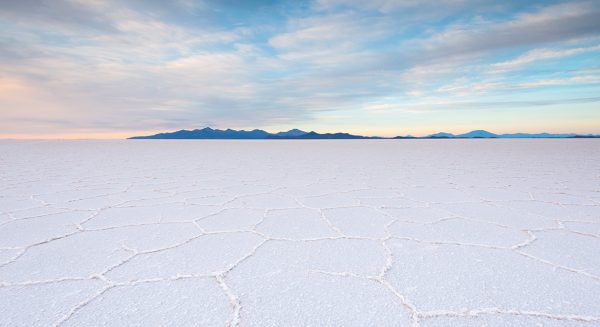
(292, 132)
(479, 134)
(441, 135)
(296, 134)
(317, 136)
(209, 133)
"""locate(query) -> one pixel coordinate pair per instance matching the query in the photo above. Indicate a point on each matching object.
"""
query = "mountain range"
(481, 134)
(296, 134)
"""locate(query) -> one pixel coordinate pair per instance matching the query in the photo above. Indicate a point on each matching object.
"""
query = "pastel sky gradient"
(116, 68)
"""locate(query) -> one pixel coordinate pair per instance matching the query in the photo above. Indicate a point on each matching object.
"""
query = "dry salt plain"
(300, 233)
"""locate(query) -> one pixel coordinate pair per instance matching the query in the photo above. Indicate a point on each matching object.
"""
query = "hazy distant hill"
(477, 134)
(296, 134)
(540, 135)
(441, 135)
(291, 133)
(486, 134)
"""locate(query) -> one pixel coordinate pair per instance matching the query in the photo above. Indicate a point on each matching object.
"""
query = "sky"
(118, 68)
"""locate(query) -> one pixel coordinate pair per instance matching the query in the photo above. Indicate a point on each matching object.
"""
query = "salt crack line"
(532, 238)
(557, 266)
(179, 276)
(412, 310)
(28, 247)
(47, 281)
(234, 301)
(81, 305)
(486, 246)
(498, 311)
(414, 313)
(328, 222)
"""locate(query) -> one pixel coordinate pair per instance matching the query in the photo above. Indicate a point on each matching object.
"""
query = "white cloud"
(538, 55)
(551, 24)
(574, 80)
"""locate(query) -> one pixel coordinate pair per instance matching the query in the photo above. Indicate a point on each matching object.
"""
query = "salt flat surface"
(300, 233)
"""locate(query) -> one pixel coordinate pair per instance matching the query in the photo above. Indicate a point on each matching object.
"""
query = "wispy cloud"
(538, 55)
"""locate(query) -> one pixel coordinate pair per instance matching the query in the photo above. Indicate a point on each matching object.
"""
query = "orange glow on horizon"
(76, 136)
(364, 132)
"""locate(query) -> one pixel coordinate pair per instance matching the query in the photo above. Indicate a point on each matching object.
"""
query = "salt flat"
(300, 233)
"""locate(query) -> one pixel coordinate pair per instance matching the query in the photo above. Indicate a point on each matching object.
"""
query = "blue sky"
(103, 68)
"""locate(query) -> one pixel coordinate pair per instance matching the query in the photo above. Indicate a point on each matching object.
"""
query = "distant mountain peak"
(479, 133)
(292, 132)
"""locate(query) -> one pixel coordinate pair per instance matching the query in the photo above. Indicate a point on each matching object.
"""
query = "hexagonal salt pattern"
(302, 233)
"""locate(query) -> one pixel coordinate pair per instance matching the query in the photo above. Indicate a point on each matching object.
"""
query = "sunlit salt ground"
(300, 233)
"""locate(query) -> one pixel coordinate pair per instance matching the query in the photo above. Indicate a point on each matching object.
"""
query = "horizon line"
(127, 135)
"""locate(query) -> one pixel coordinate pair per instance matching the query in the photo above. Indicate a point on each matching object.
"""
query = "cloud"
(537, 55)
(134, 65)
(550, 24)
(465, 88)
(392, 6)
(442, 105)
(586, 79)
(67, 17)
